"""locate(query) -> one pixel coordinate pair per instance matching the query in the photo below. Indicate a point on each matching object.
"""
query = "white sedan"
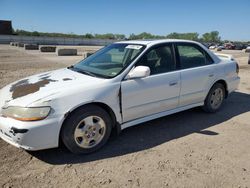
(121, 85)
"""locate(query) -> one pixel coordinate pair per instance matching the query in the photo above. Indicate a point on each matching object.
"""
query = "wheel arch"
(116, 127)
(224, 83)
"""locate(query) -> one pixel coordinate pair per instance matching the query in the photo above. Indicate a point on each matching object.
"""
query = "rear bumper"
(233, 84)
(34, 135)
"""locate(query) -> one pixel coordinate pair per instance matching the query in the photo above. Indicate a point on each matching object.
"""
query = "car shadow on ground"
(154, 133)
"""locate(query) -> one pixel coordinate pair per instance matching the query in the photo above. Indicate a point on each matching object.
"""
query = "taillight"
(237, 68)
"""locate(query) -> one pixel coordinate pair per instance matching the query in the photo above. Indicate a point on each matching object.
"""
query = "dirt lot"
(187, 149)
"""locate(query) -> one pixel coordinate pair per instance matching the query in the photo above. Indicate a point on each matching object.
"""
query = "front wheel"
(86, 130)
(214, 98)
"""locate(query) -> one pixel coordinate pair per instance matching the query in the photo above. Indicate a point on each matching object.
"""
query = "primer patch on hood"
(23, 87)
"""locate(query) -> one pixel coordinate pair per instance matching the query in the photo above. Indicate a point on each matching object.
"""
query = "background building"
(5, 27)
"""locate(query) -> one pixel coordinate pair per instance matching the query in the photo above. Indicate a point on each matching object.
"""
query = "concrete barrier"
(31, 47)
(66, 52)
(47, 48)
(87, 54)
(218, 49)
(20, 44)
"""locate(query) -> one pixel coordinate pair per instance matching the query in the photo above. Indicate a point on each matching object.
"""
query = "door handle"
(173, 83)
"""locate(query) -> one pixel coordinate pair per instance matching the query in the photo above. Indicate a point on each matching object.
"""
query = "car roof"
(153, 42)
(150, 43)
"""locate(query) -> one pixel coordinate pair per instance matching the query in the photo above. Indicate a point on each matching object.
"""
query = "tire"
(86, 130)
(215, 98)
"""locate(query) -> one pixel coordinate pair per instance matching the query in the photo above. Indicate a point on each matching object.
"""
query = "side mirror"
(139, 72)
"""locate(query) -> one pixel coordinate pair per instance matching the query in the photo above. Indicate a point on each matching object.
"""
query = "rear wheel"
(87, 129)
(214, 98)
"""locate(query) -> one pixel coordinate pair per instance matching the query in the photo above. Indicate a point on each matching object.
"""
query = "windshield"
(109, 61)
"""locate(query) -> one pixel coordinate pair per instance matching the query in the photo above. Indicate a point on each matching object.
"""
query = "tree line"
(70, 35)
(211, 37)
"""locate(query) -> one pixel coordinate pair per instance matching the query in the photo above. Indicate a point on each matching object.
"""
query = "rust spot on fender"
(23, 87)
(66, 79)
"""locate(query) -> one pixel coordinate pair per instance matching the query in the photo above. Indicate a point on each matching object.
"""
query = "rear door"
(197, 71)
(156, 93)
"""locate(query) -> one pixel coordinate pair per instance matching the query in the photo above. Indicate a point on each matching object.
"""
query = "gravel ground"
(187, 149)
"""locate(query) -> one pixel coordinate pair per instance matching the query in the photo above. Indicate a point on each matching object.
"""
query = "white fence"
(6, 39)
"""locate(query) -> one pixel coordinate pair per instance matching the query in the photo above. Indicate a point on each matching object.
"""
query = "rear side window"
(192, 56)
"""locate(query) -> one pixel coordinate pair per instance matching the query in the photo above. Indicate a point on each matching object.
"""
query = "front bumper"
(34, 135)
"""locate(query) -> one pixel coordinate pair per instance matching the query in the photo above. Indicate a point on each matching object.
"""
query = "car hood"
(37, 87)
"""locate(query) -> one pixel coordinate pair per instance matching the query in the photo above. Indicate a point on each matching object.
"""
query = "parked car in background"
(213, 47)
(218, 48)
(247, 49)
(121, 85)
(240, 46)
(205, 44)
(229, 46)
(221, 47)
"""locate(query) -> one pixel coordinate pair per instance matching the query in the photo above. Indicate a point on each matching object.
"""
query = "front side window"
(192, 56)
(109, 61)
(159, 60)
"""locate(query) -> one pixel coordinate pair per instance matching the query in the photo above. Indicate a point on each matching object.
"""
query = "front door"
(156, 93)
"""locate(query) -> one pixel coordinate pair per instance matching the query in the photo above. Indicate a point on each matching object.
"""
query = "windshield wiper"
(82, 71)
(72, 67)
(87, 73)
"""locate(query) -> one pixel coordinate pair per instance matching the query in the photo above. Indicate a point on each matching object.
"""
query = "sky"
(160, 17)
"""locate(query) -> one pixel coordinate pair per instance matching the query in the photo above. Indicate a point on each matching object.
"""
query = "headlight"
(26, 114)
